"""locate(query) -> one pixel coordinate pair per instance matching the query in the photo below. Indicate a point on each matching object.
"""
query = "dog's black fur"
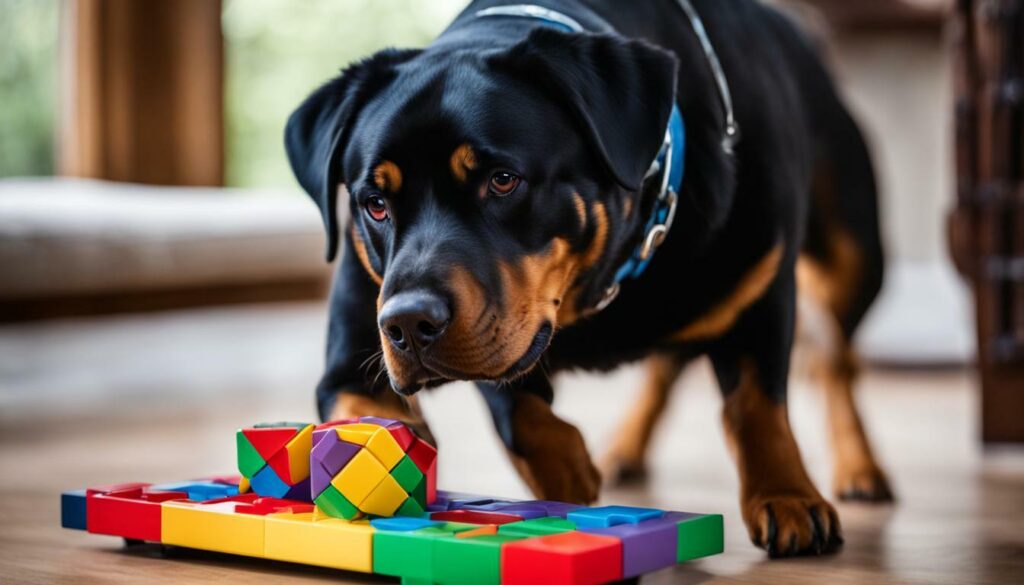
(580, 116)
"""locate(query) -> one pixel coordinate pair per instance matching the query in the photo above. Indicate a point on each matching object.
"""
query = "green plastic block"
(249, 461)
(410, 555)
(470, 561)
(407, 474)
(538, 527)
(332, 502)
(410, 507)
(419, 493)
(700, 536)
(282, 424)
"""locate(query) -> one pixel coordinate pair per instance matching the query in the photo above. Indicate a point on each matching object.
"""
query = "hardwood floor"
(157, 398)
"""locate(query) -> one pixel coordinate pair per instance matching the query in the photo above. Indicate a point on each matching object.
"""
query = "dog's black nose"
(418, 317)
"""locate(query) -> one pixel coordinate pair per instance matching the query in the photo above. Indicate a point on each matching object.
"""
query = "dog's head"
(493, 193)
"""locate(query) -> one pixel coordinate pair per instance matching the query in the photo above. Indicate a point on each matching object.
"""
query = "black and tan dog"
(499, 178)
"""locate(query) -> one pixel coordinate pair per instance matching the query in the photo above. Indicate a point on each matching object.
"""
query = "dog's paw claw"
(864, 485)
(791, 526)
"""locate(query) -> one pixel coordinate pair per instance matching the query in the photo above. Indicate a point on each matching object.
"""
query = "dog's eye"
(503, 183)
(377, 208)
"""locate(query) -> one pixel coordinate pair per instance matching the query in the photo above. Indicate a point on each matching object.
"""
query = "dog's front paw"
(552, 457)
(865, 484)
(620, 470)
(793, 525)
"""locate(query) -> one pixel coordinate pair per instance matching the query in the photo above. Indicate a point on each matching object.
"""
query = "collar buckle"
(656, 235)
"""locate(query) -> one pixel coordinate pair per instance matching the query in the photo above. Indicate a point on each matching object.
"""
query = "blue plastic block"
(72, 509)
(266, 483)
(403, 523)
(607, 516)
(199, 491)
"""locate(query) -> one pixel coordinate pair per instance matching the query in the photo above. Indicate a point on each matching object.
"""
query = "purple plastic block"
(320, 479)
(647, 546)
(333, 453)
(300, 491)
(526, 510)
(559, 509)
(376, 420)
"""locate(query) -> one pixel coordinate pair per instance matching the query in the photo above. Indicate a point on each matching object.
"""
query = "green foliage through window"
(278, 51)
(29, 32)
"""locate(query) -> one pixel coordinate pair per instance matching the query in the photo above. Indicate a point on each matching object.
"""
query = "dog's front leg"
(783, 510)
(549, 453)
(354, 382)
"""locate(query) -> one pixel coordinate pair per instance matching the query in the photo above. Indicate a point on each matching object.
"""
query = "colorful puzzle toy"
(453, 538)
(373, 466)
(273, 458)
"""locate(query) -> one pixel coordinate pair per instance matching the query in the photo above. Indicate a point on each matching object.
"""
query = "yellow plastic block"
(243, 485)
(215, 527)
(298, 454)
(325, 542)
(385, 498)
(358, 433)
(384, 447)
(359, 477)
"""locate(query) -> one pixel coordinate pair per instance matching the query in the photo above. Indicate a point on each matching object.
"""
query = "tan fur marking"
(750, 288)
(773, 482)
(832, 283)
(581, 209)
(568, 313)
(627, 206)
(388, 177)
(856, 471)
(552, 457)
(364, 258)
(463, 161)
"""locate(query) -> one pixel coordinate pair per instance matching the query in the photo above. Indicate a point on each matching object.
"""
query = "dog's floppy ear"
(620, 90)
(317, 129)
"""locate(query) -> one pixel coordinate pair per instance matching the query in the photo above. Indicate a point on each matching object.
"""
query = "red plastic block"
(425, 458)
(575, 558)
(281, 465)
(116, 487)
(336, 423)
(475, 517)
(403, 436)
(269, 441)
(131, 513)
(264, 506)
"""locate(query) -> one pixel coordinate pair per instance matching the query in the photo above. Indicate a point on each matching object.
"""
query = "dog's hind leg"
(836, 283)
(626, 461)
(841, 268)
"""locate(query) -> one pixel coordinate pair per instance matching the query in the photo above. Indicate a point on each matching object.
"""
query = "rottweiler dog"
(499, 179)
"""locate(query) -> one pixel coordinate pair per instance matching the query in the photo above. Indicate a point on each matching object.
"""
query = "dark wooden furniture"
(987, 225)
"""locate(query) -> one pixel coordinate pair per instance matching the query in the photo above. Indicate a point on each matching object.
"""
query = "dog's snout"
(414, 318)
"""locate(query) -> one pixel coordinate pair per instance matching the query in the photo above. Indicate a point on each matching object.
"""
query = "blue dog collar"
(667, 166)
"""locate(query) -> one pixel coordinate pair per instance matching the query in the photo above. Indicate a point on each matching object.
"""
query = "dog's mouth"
(430, 372)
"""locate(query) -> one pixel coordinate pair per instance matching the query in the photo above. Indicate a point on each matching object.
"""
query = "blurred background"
(162, 277)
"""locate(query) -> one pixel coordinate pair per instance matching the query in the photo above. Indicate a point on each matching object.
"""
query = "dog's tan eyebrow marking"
(722, 316)
(388, 177)
(364, 258)
(581, 209)
(627, 206)
(462, 161)
(597, 245)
